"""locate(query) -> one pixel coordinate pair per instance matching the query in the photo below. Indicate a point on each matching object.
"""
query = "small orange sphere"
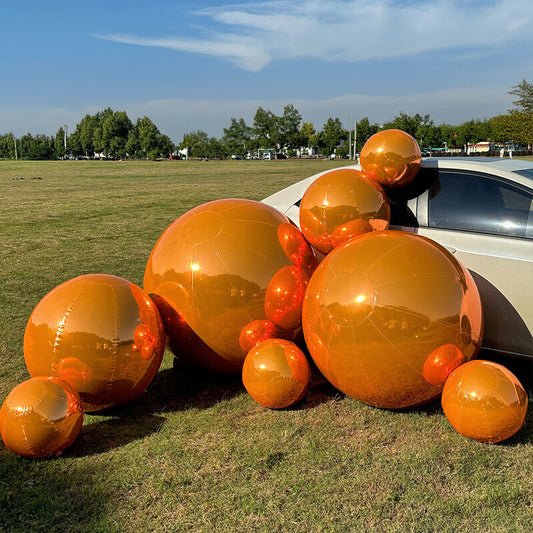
(391, 157)
(441, 362)
(41, 417)
(276, 374)
(339, 205)
(101, 334)
(220, 267)
(484, 401)
(378, 306)
(256, 332)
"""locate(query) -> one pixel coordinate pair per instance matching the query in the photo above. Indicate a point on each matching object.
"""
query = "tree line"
(111, 134)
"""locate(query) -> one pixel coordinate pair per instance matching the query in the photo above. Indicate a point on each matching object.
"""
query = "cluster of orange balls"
(389, 318)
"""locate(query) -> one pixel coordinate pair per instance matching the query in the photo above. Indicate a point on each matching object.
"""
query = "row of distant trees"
(111, 134)
(108, 134)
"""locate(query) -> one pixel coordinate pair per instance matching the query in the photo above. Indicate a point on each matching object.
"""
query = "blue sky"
(195, 64)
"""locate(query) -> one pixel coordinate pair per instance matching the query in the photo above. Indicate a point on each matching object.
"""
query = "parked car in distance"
(481, 210)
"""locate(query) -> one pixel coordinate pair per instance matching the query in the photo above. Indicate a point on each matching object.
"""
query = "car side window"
(475, 202)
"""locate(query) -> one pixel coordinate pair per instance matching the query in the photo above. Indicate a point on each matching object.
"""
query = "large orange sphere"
(391, 157)
(217, 270)
(101, 334)
(378, 306)
(276, 374)
(41, 417)
(339, 205)
(484, 401)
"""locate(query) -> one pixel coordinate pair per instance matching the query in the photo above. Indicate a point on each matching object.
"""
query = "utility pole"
(15, 143)
(354, 137)
(349, 137)
(65, 128)
(350, 119)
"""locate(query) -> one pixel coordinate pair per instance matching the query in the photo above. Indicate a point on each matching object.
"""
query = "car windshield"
(527, 172)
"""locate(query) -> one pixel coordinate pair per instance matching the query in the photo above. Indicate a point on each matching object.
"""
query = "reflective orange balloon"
(276, 374)
(211, 271)
(297, 248)
(256, 332)
(484, 401)
(284, 297)
(378, 306)
(441, 362)
(340, 205)
(391, 157)
(101, 334)
(41, 417)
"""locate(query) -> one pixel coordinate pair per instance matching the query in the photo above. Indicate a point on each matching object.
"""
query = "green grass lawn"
(195, 452)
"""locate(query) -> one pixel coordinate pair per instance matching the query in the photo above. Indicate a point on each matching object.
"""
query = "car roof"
(506, 168)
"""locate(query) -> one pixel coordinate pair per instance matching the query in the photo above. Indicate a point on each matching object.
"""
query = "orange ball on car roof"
(391, 157)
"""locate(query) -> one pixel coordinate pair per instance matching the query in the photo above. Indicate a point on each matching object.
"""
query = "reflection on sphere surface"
(101, 334)
(484, 401)
(276, 374)
(339, 205)
(391, 157)
(41, 417)
(378, 306)
(220, 267)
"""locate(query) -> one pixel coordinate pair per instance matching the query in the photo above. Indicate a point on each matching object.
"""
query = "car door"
(487, 223)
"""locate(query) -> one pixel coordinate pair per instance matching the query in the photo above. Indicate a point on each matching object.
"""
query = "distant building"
(481, 147)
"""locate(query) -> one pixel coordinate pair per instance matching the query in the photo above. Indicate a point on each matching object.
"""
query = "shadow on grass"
(38, 495)
(106, 435)
(177, 389)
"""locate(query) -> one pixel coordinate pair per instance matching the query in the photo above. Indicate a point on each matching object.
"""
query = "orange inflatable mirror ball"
(484, 401)
(225, 275)
(339, 205)
(101, 334)
(276, 374)
(41, 417)
(378, 307)
(391, 157)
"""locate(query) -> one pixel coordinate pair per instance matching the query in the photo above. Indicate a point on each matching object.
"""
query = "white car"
(481, 209)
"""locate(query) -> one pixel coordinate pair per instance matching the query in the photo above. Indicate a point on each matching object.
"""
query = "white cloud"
(241, 50)
(348, 30)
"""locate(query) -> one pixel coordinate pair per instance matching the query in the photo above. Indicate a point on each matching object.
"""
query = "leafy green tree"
(404, 122)
(474, 131)
(236, 138)
(59, 143)
(197, 143)
(7, 146)
(427, 134)
(266, 128)
(215, 148)
(515, 127)
(148, 136)
(308, 136)
(39, 147)
(449, 136)
(133, 144)
(85, 131)
(331, 135)
(74, 144)
(116, 126)
(289, 127)
(421, 127)
(524, 92)
(165, 145)
(365, 130)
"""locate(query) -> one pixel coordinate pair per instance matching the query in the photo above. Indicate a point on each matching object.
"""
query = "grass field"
(194, 452)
